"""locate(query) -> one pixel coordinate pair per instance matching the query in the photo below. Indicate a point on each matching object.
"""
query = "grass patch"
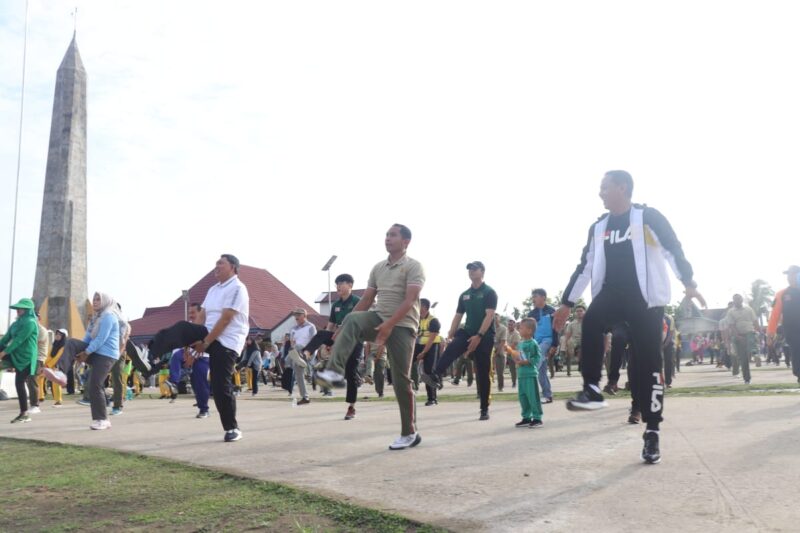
(95, 489)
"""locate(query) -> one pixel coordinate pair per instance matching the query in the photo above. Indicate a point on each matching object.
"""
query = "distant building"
(271, 306)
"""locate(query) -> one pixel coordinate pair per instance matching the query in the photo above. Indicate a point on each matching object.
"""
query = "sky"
(286, 132)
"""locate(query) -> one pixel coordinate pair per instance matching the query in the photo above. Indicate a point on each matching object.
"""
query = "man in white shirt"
(302, 333)
(225, 314)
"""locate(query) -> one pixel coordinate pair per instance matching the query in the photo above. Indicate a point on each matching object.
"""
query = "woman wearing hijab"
(18, 350)
(101, 352)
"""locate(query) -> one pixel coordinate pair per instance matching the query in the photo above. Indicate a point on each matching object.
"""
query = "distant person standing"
(625, 259)
(546, 336)
(786, 310)
(500, 344)
(742, 322)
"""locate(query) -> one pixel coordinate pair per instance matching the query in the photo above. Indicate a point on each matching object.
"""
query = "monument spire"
(60, 288)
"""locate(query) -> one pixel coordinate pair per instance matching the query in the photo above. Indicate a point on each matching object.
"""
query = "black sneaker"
(233, 435)
(650, 452)
(484, 415)
(431, 402)
(535, 423)
(635, 417)
(525, 422)
(587, 400)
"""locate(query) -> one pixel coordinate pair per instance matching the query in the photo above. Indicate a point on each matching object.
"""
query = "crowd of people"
(389, 335)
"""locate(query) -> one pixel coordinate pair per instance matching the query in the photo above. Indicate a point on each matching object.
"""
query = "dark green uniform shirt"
(475, 302)
(341, 309)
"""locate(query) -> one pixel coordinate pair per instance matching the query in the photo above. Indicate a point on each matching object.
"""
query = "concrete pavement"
(730, 463)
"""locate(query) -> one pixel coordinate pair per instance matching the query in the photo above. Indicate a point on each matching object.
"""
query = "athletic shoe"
(650, 452)
(116, 412)
(431, 402)
(57, 404)
(328, 394)
(233, 435)
(21, 419)
(351, 413)
(34, 410)
(406, 441)
(525, 422)
(202, 414)
(304, 401)
(454, 382)
(536, 423)
(611, 388)
(100, 424)
(746, 382)
(329, 379)
(587, 400)
(635, 417)
(484, 415)
(547, 400)
(83, 402)
(173, 398)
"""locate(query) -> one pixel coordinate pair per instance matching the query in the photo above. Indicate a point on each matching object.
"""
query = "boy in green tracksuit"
(527, 356)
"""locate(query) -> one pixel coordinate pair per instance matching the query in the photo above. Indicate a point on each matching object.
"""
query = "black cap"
(476, 264)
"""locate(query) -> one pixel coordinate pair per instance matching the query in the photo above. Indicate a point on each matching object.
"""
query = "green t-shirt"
(529, 350)
(475, 302)
(341, 309)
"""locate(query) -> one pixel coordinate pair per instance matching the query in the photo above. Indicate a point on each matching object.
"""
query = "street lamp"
(327, 268)
(185, 296)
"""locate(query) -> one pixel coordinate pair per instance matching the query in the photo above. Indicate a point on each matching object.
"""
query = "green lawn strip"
(57, 487)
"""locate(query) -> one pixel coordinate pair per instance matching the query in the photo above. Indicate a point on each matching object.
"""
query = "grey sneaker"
(406, 441)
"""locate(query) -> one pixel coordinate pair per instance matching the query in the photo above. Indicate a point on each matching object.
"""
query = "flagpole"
(19, 161)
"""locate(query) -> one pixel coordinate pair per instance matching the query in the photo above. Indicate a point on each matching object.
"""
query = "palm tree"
(760, 298)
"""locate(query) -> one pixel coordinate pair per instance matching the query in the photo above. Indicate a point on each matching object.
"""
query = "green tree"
(760, 298)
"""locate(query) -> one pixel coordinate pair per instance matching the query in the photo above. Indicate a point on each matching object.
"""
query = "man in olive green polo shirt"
(479, 302)
(742, 322)
(397, 281)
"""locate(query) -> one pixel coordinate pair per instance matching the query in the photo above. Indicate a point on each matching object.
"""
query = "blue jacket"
(544, 324)
(106, 342)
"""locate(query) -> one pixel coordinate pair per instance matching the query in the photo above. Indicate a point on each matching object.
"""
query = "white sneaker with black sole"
(587, 400)
(233, 435)
(406, 441)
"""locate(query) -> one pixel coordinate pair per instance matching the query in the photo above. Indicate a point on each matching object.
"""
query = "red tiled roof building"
(271, 304)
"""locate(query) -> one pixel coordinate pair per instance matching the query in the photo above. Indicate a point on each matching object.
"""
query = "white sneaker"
(329, 378)
(100, 424)
(406, 441)
(34, 409)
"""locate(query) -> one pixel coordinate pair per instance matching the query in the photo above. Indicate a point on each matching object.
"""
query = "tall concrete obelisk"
(60, 289)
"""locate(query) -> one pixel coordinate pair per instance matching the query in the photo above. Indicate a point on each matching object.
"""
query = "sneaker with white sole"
(587, 400)
(330, 378)
(100, 424)
(34, 410)
(116, 412)
(83, 402)
(406, 441)
(650, 451)
(21, 419)
(233, 435)
(202, 414)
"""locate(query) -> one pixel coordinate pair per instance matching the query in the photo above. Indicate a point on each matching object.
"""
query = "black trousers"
(428, 364)
(351, 373)
(482, 356)
(792, 351)
(669, 362)
(620, 337)
(176, 336)
(322, 337)
(222, 361)
(611, 307)
(20, 382)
